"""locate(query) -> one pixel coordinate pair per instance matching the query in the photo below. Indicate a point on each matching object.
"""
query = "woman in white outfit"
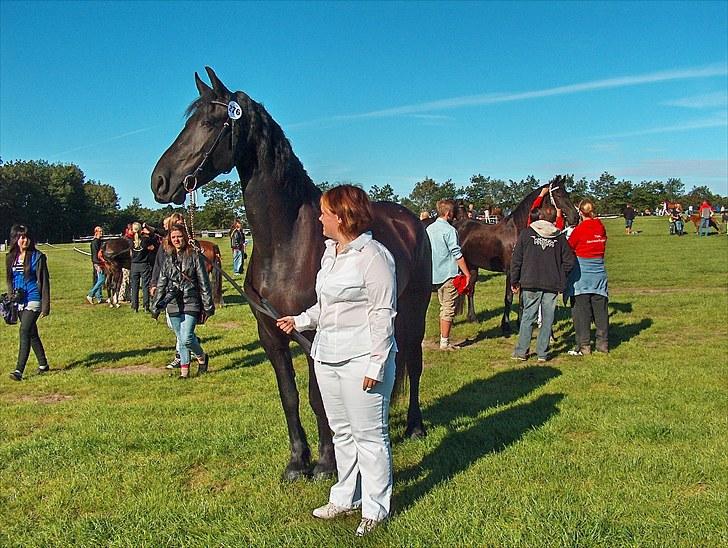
(353, 353)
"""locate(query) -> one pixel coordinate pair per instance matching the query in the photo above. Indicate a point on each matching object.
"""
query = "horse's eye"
(206, 123)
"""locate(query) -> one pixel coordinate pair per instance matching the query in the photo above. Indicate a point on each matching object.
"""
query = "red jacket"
(589, 239)
(536, 204)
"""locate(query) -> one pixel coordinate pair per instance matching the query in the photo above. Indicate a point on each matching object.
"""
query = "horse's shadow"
(471, 437)
(252, 359)
(473, 398)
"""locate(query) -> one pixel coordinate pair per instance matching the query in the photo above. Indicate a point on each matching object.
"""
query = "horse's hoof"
(296, 474)
(323, 472)
(416, 432)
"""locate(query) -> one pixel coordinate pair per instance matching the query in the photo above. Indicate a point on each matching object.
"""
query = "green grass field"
(627, 449)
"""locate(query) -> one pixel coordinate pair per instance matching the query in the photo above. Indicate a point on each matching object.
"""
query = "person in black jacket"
(183, 289)
(173, 219)
(28, 281)
(141, 246)
(542, 259)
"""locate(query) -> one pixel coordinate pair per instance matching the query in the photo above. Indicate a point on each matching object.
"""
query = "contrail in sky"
(110, 139)
(493, 98)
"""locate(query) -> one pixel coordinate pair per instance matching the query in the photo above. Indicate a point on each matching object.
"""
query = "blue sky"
(378, 93)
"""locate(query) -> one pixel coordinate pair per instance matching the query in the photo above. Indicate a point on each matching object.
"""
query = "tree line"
(59, 203)
(608, 194)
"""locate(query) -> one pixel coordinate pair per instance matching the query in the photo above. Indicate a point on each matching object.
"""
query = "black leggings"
(140, 273)
(588, 307)
(29, 338)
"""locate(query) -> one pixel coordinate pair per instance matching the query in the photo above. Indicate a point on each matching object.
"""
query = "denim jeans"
(237, 261)
(184, 328)
(704, 226)
(531, 301)
(96, 289)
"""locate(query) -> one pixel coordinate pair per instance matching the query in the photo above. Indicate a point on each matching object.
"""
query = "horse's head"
(208, 145)
(561, 200)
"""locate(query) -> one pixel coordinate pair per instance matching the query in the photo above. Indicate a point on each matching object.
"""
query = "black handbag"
(8, 309)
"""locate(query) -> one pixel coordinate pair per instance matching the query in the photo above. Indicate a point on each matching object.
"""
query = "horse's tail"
(216, 281)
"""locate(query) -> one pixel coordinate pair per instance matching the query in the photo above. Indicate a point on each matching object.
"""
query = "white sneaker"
(89, 300)
(448, 347)
(367, 525)
(331, 511)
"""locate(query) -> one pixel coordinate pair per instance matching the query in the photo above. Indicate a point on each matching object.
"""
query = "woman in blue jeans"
(183, 288)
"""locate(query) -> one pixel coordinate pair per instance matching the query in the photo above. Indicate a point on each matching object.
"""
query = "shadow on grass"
(473, 398)
(250, 360)
(471, 438)
(109, 357)
(619, 332)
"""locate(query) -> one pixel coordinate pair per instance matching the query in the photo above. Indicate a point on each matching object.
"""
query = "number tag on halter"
(234, 110)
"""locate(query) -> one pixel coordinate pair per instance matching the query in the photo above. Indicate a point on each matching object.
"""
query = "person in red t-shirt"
(588, 282)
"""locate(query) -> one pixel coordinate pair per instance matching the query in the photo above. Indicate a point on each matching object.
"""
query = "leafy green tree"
(579, 191)
(426, 193)
(47, 197)
(102, 205)
(600, 189)
(223, 204)
(674, 189)
(324, 186)
(699, 193)
(383, 194)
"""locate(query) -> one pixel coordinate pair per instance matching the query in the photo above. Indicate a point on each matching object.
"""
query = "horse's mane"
(521, 211)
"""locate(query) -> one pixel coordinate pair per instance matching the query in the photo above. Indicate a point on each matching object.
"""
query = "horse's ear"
(202, 87)
(217, 85)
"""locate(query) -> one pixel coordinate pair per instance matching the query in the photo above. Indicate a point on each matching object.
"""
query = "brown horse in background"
(695, 219)
(491, 246)
(115, 255)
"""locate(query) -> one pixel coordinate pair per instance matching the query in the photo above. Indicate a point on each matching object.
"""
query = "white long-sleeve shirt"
(356, 305)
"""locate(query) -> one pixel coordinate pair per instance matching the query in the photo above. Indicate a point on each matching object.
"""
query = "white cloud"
(707, 100)
(718, 120)
(679, 167)
(493, 98)
(104, 141)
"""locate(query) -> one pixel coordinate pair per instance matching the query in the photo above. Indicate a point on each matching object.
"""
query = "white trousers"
(359, 420)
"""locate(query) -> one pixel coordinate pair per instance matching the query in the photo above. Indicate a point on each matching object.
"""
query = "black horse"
(282, 206)
(491, 246)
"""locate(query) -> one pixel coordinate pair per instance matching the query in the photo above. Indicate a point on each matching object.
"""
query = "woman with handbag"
(183, 289)
(29, 285)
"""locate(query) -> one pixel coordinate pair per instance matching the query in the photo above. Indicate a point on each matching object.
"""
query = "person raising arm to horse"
(353, 353)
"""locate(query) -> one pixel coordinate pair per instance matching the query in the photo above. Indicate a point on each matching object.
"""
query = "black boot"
(202, 367)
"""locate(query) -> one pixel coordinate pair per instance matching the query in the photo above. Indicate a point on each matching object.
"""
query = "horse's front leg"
(471, 296)
(276, 348)
(326, 465)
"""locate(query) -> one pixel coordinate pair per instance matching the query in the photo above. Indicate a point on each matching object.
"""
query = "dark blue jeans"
(531, 301)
